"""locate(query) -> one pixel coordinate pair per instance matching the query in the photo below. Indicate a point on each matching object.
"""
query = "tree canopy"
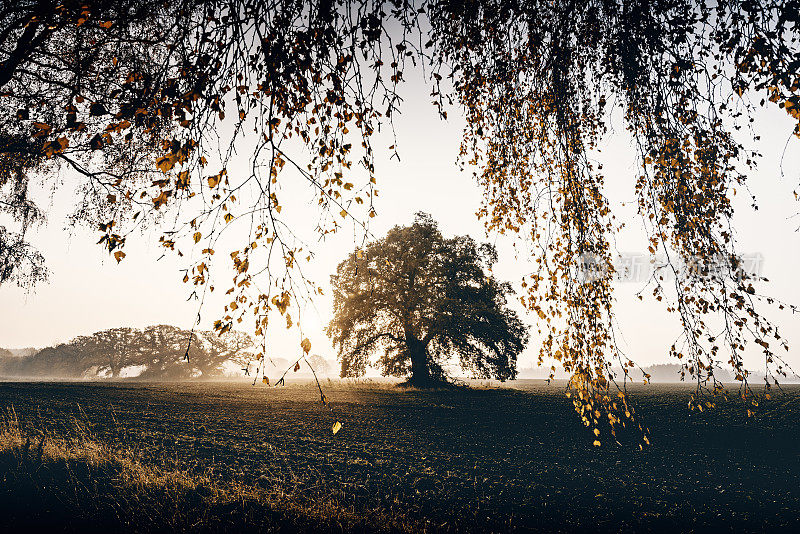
(156, 353)
(418, 299)
(147, 100)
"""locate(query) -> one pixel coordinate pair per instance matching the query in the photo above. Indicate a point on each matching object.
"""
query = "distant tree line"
(157, 352)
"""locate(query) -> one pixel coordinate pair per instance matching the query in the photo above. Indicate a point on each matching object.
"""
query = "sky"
(88, 291)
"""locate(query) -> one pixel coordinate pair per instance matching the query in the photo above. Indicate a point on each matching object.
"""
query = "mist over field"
(154, 353)
(159, 353)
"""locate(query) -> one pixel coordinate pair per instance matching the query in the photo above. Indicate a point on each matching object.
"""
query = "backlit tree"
(417, 299)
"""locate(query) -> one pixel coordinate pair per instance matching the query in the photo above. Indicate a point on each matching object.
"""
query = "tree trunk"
(420, 373)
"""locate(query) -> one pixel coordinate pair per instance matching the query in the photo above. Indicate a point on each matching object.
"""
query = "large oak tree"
(418, 299)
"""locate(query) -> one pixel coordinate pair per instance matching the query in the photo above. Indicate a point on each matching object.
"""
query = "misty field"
(407, 460)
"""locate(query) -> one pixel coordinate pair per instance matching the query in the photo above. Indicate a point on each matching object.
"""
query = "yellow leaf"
(118, 255)
(213, 181)
(343, 213)
(282, 302)
(197, 236)
(306, 344)
(56, 147)
(182, 181)
(228, 217)
(337, 426)
(265, 380)
(596, 443)
(166, 163)
(161, 199)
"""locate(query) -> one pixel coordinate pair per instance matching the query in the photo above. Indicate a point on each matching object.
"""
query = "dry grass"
(71, 480)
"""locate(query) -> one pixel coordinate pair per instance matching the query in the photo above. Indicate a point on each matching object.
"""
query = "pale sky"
(88, 291)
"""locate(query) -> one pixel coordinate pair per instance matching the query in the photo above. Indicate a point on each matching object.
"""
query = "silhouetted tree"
(215, 349)
(319, 364)
(418, 299)
(117, 346)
